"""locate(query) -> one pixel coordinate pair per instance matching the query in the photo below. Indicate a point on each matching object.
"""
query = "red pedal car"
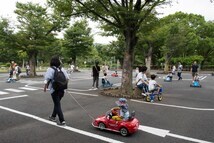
(125, 128)
(114, 74)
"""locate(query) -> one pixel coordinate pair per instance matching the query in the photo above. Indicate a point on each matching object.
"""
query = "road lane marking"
(79, 79)
(27, 88)
(78, 89)
(174, 106)
(163, 133)
(187, 138)
(154, 131)
(202, 78)
(85, 133)
(12, 97)
(83, 93)
(3, 93)
(14, 90)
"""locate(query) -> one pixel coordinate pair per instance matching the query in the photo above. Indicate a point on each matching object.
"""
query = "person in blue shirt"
(58, 94)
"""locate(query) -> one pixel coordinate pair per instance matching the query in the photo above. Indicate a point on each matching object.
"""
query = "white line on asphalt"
(200, 77)
(174, 106)
(27, 88)
(154, 131)
(187, 138)
(163, 133)
(78, 89)
(82, 93)
(13, 97)
(14, 90)
(117, 84)
(80, 79)
(66, 127)
(3, 93)
(203, 78)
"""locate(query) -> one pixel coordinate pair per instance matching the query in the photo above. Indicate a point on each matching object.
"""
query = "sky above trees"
(202, 7)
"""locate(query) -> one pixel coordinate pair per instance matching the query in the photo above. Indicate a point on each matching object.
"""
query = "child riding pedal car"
(154, 87)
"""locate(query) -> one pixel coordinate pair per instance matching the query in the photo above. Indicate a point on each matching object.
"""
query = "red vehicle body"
(114, 74)
(123, 127)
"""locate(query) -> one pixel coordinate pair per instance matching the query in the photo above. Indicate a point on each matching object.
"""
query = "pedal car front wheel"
(160, 98)
(101, 126)
(124, 132)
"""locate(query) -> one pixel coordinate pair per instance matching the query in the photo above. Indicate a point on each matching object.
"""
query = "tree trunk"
(32, 60)
(126, 86)
(148, 59)
(74, 60)
(23, 63)
(166, 64)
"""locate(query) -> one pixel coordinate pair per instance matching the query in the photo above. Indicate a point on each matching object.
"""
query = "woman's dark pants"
(57, 96)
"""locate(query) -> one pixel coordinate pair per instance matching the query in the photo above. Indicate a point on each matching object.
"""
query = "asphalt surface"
(185, 114)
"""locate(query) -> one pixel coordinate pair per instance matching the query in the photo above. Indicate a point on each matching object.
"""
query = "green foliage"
(187, 60)
(186, 38)
(77, 41)
(36, 29)
(7, 49)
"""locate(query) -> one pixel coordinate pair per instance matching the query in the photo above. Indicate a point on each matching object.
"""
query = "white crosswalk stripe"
(14, 90)
(3, 93)
(27, 88)
(21, 89)
(202, 77)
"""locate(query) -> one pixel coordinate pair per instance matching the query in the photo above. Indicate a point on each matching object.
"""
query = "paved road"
(184, 116)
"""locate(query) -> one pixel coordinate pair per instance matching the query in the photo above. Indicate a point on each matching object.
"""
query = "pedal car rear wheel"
(101, 126)
(160, 98)
(148, 98)
(124, 132)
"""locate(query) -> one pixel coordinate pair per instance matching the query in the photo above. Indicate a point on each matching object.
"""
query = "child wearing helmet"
(124, 112)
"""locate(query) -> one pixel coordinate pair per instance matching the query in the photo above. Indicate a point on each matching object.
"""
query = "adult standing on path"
(95, 74)
(57, 95)
(194, 69)
(179, 70)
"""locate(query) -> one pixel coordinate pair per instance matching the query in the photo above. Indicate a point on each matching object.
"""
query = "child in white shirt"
(153, 85)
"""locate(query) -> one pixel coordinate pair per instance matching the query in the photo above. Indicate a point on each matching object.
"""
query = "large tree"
(78, 41)
(205, 48)
(7, 49)
(180, 38)
(124, 15)
(36, 30)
